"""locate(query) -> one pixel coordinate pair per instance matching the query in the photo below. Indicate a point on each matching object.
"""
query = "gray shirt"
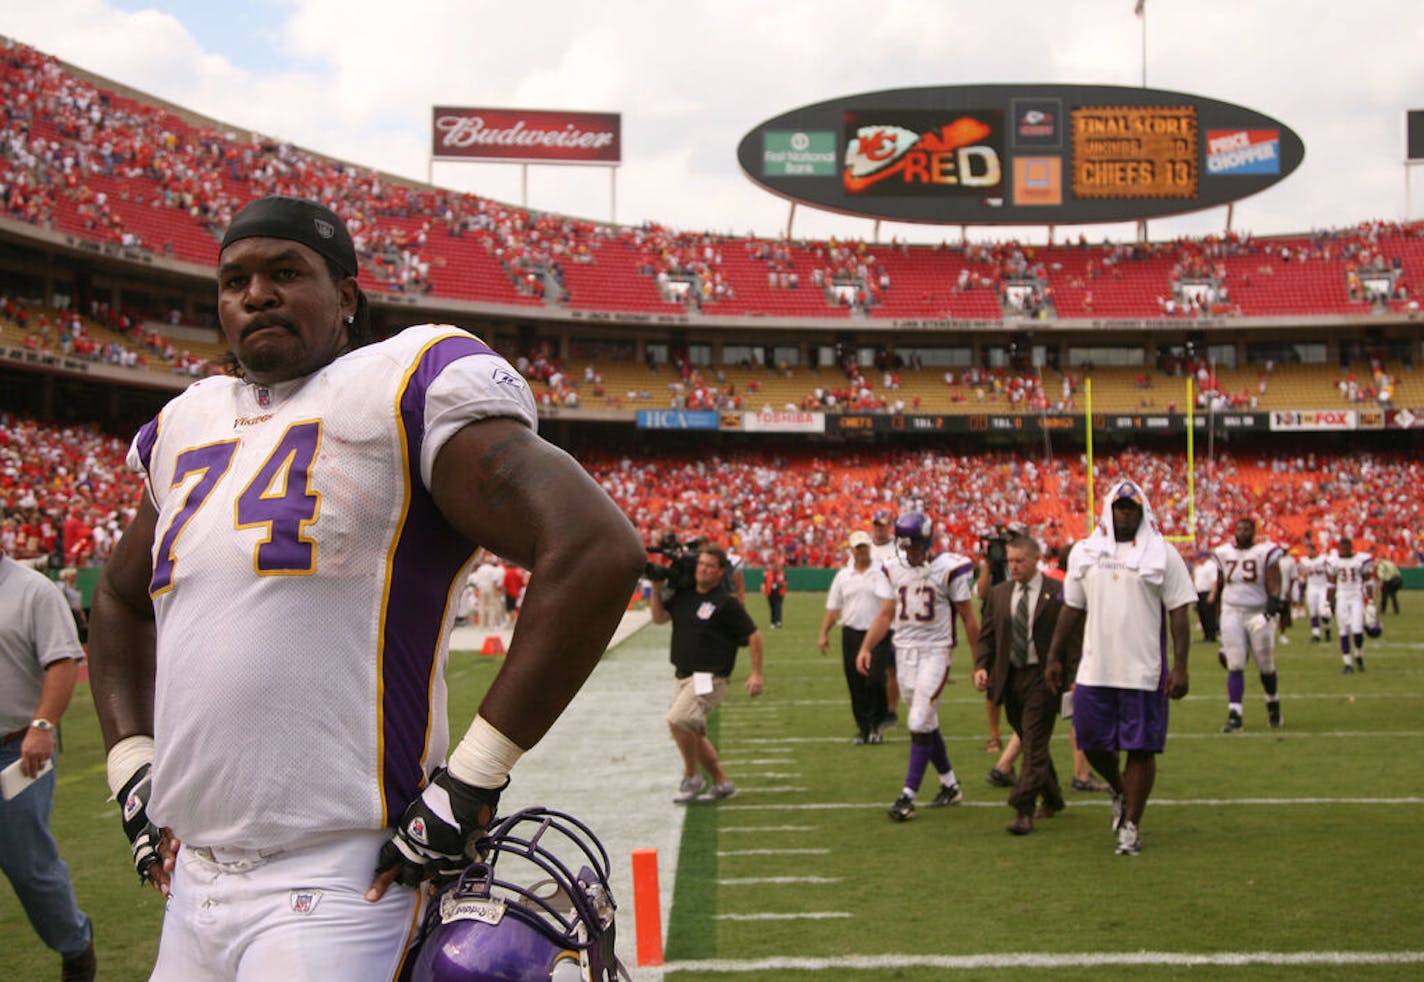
(36, 629)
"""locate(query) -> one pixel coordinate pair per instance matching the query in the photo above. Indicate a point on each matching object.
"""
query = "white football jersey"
(924, 596)
(305, 586)
(1315, 570)
(1243, 571)
(1350, 575)
(1288, 567)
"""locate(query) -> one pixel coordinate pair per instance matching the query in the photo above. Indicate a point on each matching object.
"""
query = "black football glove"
(436, 836)
(144, 836)
(1275, 606)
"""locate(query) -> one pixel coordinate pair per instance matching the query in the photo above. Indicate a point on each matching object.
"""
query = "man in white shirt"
(488, 580)
(882, 661)
(852, 598)
(1124, 586)
(1204, 577)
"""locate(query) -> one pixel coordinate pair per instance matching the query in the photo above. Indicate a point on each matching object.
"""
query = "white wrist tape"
(128, 755)
(484, 757)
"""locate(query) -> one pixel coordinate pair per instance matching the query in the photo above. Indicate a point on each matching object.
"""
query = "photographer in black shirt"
(709, 624)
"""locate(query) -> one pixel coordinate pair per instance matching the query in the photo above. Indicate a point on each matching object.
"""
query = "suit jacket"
(996, 632)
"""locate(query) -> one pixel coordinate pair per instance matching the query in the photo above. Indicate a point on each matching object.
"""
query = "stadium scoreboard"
(1019, 154)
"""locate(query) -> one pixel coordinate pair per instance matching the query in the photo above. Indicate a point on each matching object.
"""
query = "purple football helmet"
(914, 529)
(521, 912)
(1371, 620)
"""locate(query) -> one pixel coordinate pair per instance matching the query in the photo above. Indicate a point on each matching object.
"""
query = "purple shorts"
(1105, 718)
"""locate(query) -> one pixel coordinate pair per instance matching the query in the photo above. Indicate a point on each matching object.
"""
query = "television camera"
(679, 562)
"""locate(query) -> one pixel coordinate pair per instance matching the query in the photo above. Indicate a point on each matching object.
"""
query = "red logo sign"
(527, 134)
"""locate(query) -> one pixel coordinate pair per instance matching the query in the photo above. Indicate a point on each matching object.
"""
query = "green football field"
(1266, 854)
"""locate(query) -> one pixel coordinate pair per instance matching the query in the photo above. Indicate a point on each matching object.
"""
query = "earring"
(350, 319)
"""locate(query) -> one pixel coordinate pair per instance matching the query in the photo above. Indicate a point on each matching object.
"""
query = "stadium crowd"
(120, 171)
(66, 489)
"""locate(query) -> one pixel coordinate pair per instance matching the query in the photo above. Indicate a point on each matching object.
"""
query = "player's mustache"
(267, 320)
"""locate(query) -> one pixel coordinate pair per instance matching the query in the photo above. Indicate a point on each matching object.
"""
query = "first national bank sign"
(529, 135)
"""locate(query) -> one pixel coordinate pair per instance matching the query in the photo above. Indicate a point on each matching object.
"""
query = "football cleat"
(690, 788)
(1273, 714)
(723, 791)
(903, 809)
(1129, 841)
(1359, 665)
(1233, 722)
(1119, 811)
(1348, 670)
(874, 736)
(950, 795)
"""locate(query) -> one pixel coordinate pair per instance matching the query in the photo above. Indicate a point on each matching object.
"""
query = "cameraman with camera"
(709, 624)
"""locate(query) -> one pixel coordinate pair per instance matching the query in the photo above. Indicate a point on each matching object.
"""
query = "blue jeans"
(31, 861)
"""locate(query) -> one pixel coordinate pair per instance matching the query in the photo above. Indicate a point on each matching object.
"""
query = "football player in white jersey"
(920, 595)
(1250, 603)
(1315, 570)
(1352, 576)
(271, 634)
(1289, 572)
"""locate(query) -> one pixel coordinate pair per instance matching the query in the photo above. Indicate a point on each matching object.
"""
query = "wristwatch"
(41, 724)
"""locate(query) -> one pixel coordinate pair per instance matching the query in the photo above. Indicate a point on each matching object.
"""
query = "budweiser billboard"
(527, 135)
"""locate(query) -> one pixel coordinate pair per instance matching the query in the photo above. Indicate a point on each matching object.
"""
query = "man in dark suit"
(1019, 616)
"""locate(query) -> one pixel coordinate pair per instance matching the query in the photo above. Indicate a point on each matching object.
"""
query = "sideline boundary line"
(1103, 803)
(1008, 960)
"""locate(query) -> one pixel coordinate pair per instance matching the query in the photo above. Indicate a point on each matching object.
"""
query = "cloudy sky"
(356, 79)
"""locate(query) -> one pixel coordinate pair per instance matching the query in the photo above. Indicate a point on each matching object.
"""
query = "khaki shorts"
(689, 710)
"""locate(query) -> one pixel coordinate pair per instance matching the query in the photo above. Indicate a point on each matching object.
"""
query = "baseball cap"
(882, 517)
(859, 538)
(298, 220)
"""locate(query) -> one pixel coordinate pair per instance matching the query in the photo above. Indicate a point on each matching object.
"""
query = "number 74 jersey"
(924, 597)
(304, 585)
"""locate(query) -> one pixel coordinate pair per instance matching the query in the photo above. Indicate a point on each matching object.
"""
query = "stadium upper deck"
(91, 173)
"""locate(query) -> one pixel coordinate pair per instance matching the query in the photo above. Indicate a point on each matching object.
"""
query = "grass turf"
(1290, 841)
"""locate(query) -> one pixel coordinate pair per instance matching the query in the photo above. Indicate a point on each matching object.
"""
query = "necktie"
(1018, 654)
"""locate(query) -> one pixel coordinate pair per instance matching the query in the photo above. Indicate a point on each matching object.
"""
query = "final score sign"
(1019, 154)
(1135, 152)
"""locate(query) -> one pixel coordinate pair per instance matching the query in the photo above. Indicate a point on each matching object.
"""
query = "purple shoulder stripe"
(147, 437)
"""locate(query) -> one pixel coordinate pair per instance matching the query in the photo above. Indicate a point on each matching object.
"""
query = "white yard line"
(874, 963)
(1102, 802)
